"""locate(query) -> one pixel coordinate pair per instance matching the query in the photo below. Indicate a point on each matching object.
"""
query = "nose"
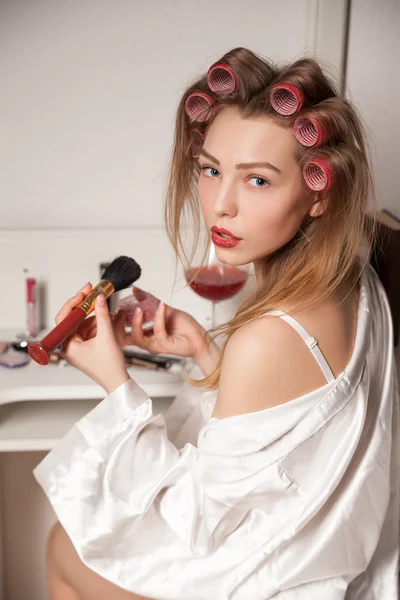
(224, 202)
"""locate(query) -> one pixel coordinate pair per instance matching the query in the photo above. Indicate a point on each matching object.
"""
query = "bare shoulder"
(266, 363)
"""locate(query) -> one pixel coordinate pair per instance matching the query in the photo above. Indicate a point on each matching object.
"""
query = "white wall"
(374, 84)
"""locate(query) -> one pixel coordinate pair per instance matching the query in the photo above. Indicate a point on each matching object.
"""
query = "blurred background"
(89, 90)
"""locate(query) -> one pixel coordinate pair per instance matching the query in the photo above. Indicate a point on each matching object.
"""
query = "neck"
(259, 266)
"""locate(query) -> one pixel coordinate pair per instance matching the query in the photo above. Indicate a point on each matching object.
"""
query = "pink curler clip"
(197, 106)
(221, 79)
(286, 99)
(308, 132)
(318, 174)
(197, 142)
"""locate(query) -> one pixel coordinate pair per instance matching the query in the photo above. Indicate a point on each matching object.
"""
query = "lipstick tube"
(32, 326)
(40, 351)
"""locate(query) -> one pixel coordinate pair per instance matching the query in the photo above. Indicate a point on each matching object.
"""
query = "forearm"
(207, 355)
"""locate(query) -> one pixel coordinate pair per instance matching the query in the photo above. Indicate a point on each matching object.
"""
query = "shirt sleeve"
(151, 518)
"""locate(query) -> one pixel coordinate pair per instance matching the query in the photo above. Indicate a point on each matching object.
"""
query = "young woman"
(279, 479)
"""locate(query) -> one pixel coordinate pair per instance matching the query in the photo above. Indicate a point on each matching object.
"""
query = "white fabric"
(296, 502)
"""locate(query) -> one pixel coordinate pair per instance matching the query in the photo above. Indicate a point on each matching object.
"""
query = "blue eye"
(213, 172)
(260, 182)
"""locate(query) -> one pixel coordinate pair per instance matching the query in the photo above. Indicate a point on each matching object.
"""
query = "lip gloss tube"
(32, 324)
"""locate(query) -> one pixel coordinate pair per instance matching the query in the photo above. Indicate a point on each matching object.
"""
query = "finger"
(103, 319)
(159, 327)
(87, 330)
(71, 340)
(86, 324)
(119, 328)
(90, 333)
(72, 302)
(137, 336)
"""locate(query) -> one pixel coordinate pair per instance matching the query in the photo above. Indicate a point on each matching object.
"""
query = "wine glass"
(216, 280)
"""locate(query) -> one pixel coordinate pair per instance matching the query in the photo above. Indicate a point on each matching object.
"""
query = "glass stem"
(213, 320)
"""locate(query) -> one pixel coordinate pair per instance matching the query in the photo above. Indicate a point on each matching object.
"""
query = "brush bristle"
(122, 272)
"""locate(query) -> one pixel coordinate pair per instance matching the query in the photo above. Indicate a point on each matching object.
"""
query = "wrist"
(115, 382)
(207, 354)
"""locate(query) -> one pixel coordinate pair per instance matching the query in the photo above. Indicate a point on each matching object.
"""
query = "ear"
(318, 206)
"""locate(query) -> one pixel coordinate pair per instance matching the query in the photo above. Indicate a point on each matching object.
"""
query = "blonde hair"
(325, 251)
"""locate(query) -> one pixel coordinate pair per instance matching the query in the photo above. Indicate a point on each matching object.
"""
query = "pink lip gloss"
(31, 305)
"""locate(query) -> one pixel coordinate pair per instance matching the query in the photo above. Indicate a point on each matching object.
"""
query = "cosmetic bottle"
(32, 313)
(145, 301)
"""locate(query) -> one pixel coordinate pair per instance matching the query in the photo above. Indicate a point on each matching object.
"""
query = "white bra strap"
(310, 341)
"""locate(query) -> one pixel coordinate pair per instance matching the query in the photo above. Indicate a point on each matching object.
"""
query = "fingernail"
(137, 312)
(101, 300)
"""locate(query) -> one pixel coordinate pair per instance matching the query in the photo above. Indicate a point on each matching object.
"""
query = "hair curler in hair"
(318, 174)
(286, 99)
(309, 132)
(198, 106)
(324, 121)
(197, 141)
(221, 79)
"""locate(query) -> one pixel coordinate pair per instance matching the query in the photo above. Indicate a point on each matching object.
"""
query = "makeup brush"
(120, 274)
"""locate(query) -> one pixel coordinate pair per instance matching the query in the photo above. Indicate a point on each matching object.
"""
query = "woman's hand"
(95, 347)
(175, 332)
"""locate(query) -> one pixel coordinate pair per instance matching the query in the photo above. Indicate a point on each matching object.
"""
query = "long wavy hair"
(325, 252)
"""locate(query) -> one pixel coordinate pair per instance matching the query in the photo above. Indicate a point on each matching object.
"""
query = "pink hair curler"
(198, 105)
(308, 132)
(221, 79)
(197, 142)
(318, 174)
(286, 99)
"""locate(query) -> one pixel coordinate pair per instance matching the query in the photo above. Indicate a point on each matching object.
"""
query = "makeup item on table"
(120, 274)
(32, 327)
(20, 345)
(55, 357)
(145, 364)
(13, 359)
(162, 361)
(145, 301)
(32, 319)
(3, 347)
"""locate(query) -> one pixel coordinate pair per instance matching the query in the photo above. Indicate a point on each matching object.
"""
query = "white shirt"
(295, 502)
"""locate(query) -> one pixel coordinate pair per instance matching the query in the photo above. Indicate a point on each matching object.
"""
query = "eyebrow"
(249, 165)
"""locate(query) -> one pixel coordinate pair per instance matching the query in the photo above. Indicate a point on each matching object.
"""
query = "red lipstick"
(221, 240)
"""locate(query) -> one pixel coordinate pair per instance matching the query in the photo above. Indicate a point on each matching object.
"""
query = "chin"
(232, 258)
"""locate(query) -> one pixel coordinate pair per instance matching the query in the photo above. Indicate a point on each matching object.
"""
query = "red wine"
(216, 282)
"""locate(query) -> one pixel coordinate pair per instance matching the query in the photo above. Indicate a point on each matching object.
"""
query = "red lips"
(223, 242)
(216, 229)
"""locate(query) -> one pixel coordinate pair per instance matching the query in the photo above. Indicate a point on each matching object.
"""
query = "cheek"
(275, 219)
(204, 192)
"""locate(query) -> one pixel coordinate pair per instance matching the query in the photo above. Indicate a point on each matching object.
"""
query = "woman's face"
(251, 185)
